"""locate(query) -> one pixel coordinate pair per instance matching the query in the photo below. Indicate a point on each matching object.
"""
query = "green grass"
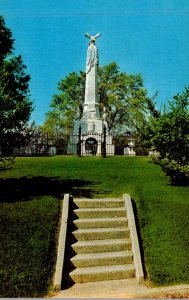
(30, 204)
(27, 247)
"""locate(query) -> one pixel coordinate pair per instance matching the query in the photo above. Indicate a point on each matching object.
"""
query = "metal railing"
(90, 144)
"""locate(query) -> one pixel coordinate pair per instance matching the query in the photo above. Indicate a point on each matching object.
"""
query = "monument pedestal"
(91, 138)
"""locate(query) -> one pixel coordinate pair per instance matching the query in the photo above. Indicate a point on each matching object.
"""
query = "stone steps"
(101, 222)
(101, 233)
(105, 202)
(95, 246)
(101, 244)
(101, 273)
(99, 212)
(102, 259)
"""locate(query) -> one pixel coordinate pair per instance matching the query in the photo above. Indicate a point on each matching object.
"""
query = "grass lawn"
(30, 196)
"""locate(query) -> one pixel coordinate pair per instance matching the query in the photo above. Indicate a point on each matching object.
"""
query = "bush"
(6, 163)
(178, 173)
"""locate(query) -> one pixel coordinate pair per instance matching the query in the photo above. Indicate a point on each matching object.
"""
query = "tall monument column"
(91, 125)
(91, 106)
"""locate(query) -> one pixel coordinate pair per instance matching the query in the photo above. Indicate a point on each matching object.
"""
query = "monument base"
(91, 139)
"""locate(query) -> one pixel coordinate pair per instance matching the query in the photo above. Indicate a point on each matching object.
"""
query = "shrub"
(6, 163)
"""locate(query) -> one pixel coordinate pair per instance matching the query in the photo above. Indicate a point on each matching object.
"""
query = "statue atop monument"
(92, 37)
(92, 52)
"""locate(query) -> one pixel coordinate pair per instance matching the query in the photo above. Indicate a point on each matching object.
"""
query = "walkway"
(122, 289)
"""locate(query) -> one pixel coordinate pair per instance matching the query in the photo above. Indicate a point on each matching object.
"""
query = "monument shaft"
(91, 106)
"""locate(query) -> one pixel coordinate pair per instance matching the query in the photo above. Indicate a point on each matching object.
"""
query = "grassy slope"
(27, 247)
(162, 211)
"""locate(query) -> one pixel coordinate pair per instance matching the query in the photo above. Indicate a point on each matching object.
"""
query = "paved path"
(121, 289)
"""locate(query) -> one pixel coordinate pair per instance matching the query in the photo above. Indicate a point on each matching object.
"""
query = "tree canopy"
(15, 105)
(66, 105)
(123, 95)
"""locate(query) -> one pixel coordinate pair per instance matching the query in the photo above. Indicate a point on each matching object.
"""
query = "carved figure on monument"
(92, 52)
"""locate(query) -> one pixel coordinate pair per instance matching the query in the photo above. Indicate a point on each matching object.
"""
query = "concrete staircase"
(100, 245)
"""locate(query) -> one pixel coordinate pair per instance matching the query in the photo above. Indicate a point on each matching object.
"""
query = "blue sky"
(150, 37)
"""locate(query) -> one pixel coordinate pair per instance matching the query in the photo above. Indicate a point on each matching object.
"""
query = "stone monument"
(91, 125)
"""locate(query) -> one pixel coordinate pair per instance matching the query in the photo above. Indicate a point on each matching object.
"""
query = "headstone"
(131, 148)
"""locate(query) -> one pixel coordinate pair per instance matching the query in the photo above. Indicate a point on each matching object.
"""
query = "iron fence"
(90, 144)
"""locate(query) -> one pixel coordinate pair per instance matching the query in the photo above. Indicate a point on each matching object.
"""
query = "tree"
(66, 105)
(168, 133)
(15, 106)
(123, 96)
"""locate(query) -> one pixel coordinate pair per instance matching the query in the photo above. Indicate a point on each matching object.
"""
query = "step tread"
(89, 209)
(99, 199)
(99, 203)
(96, 230)
(103, 269)
(102, 242)
(104, 222)
(102, 255)
(100, 219)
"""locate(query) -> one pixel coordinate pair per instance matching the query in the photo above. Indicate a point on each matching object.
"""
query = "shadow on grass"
(25, 188)
(182, 182)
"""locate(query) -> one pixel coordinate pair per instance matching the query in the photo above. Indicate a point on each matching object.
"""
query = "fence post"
(79, 142)
(104, 142)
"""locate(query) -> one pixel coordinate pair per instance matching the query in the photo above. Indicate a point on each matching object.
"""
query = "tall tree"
(6, 40)
(15, 105)
(123, 96)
